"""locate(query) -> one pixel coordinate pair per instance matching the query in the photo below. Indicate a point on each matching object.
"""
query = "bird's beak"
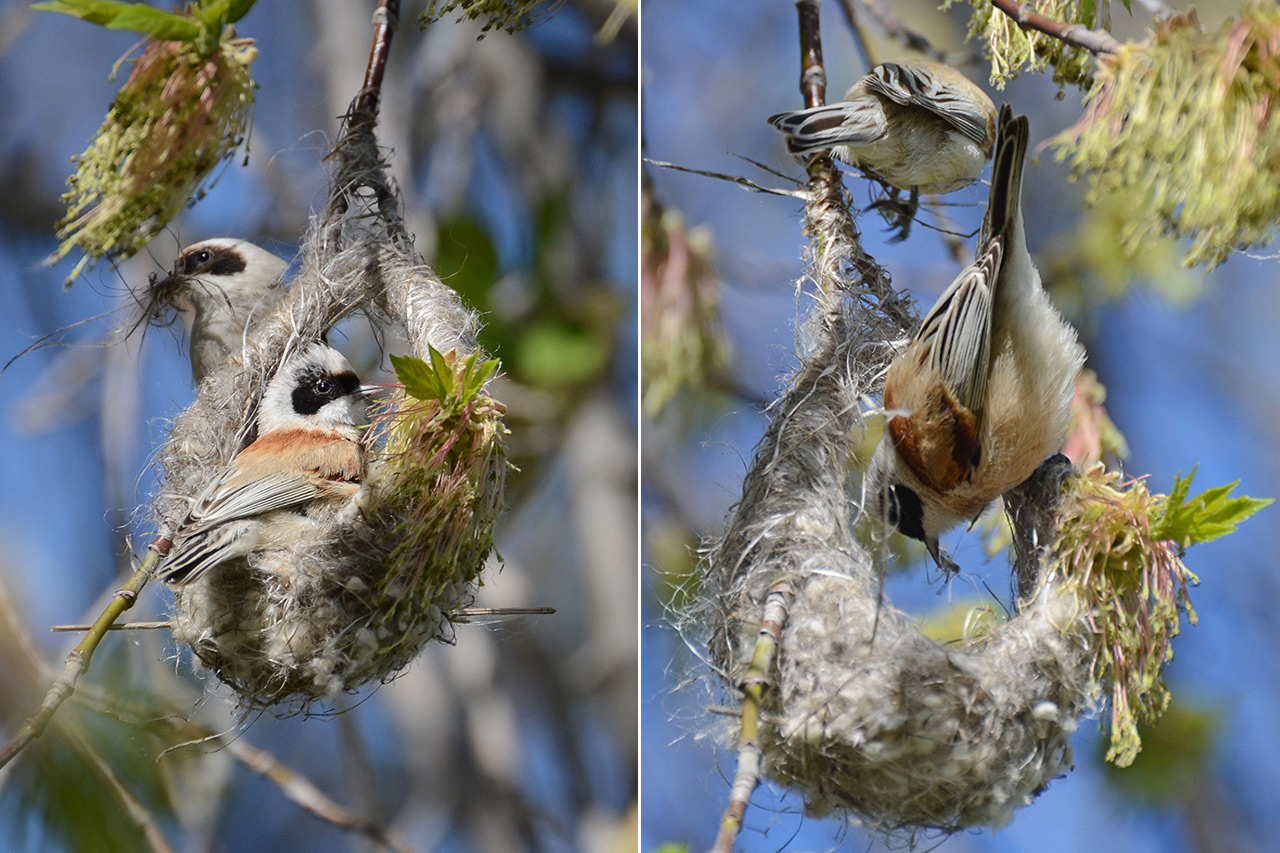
(941, 558)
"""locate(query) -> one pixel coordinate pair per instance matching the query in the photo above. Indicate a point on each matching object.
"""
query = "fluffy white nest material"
(339, 610)
(865, 714)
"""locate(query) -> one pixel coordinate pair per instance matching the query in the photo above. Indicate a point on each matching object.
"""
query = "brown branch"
(363, 113)
(813, 77)
(299, 790)
(78, 660)
(895, 28)
(860, 38)
(385, 20)
(1076, 35)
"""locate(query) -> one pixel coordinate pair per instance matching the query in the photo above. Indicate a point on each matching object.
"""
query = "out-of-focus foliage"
(202, 21)
(1013, 50)
(1092, 434)
(561, 334)
(681, 339)
(1170, 768)
(185, 108)
(1181, 129)
(1123, 547)
(1093, 263)
(506, 15)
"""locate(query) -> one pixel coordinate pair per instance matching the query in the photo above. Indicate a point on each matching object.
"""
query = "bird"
(912, 123)
(308, 460)
(219, 287)
(981, 394)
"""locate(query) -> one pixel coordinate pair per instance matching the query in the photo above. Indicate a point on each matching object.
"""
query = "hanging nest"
(357, 602)
(862, 714)
(866, 715)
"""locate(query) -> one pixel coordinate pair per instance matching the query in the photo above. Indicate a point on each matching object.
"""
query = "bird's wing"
(210, 536)
(957, 330)
(917, 85)
(193, 556)
(229, 501)
(857, 122)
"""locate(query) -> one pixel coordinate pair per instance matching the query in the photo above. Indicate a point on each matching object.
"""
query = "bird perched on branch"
(219, 287)
(913, 124)
(308, 460)
(981, 395)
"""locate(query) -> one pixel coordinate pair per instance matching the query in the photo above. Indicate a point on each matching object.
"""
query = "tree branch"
(758, 681)
(79, 658)
(300, 791)
(1077, 35)
(813, 77)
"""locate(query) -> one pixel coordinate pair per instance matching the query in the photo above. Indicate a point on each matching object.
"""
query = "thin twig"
(896, 28)
(734, 179)
(1076, 35)
(79, 658)
(860, 38)
(758, 682)
(126, 626)
(947, 228)
(465, 613)
(460, 615)
(299, 790)
(136, 811)
(292, 784)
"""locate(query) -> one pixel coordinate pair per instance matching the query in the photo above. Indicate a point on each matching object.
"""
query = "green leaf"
(217, 13)
(139, 17)
(1210, 515)
(237, 9)
(421, 380)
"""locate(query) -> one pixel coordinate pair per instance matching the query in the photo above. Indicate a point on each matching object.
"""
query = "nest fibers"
(358, 601)
(865, 714)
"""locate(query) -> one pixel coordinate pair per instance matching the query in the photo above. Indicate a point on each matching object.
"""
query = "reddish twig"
(813, 77)
(385, 20)
(1076, 35)
(363, 114)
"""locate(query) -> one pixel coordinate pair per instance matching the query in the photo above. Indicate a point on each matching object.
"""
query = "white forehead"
(317, 355)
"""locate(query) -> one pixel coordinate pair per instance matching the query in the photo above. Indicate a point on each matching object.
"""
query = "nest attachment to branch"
(355, 603)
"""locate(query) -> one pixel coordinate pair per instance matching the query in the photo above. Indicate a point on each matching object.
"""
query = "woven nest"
(357, 602)
(865, 715)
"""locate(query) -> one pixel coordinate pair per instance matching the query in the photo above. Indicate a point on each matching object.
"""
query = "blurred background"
(1189, 361)
(516, 155)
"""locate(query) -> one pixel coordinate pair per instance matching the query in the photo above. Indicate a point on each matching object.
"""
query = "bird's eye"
(203, 256)
(323, 386)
